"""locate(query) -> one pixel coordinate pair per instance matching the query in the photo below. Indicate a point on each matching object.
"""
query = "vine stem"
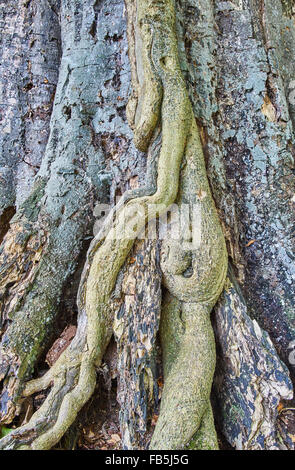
(160, 96)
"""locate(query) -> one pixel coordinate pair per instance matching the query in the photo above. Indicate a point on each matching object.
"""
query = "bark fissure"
(235, 62)
(161, 97)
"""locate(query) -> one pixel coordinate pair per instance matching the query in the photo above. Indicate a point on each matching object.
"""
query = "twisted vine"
(159, 98)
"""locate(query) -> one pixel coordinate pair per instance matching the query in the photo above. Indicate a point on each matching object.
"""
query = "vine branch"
(159, 98)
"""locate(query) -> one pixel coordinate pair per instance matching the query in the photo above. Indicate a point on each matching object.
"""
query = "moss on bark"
(185, 410)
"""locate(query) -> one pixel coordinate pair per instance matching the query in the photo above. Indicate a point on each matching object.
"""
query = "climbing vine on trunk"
(193, 276)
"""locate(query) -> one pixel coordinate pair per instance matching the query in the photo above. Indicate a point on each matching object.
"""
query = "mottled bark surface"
(136, 327)
(81, 160)
(30, 56)
(250, 380)
(238, 61)
(239, 70)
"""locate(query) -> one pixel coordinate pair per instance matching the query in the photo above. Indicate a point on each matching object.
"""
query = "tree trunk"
(206, 92)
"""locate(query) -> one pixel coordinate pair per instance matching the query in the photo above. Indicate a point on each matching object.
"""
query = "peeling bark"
(250, 381)
(73, 374)
(41, 250)
(136, 326)
(239, 72)
(237, 61)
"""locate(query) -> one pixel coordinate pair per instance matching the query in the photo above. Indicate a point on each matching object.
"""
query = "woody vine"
(194, 278)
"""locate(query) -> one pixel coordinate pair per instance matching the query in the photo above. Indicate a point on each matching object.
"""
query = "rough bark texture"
(162, 91)
(238, 61)
(239, 69)
(136, 326)
(250, 380)
(260, 147)
(30, 55)
(57, 219)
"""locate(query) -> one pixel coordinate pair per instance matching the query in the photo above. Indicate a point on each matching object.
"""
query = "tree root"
(189, 365)
(189, 362)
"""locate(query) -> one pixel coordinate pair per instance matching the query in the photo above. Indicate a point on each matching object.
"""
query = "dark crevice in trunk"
(5, 218)
(66, 317)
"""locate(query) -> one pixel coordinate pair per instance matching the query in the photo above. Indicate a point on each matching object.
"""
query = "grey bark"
(250, 380)
(30, 55)
(238, 60)
(239, 70)
(85, 157)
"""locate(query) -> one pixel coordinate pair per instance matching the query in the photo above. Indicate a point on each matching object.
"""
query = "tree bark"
(50, 229)
(237, 59)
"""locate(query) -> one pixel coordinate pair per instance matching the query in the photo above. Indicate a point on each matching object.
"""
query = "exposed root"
(194, 273)
(159, 94)
(205, 438)
(189, 358)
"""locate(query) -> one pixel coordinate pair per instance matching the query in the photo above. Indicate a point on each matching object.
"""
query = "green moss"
(4, 431)
(188, 343)
(30, 208)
